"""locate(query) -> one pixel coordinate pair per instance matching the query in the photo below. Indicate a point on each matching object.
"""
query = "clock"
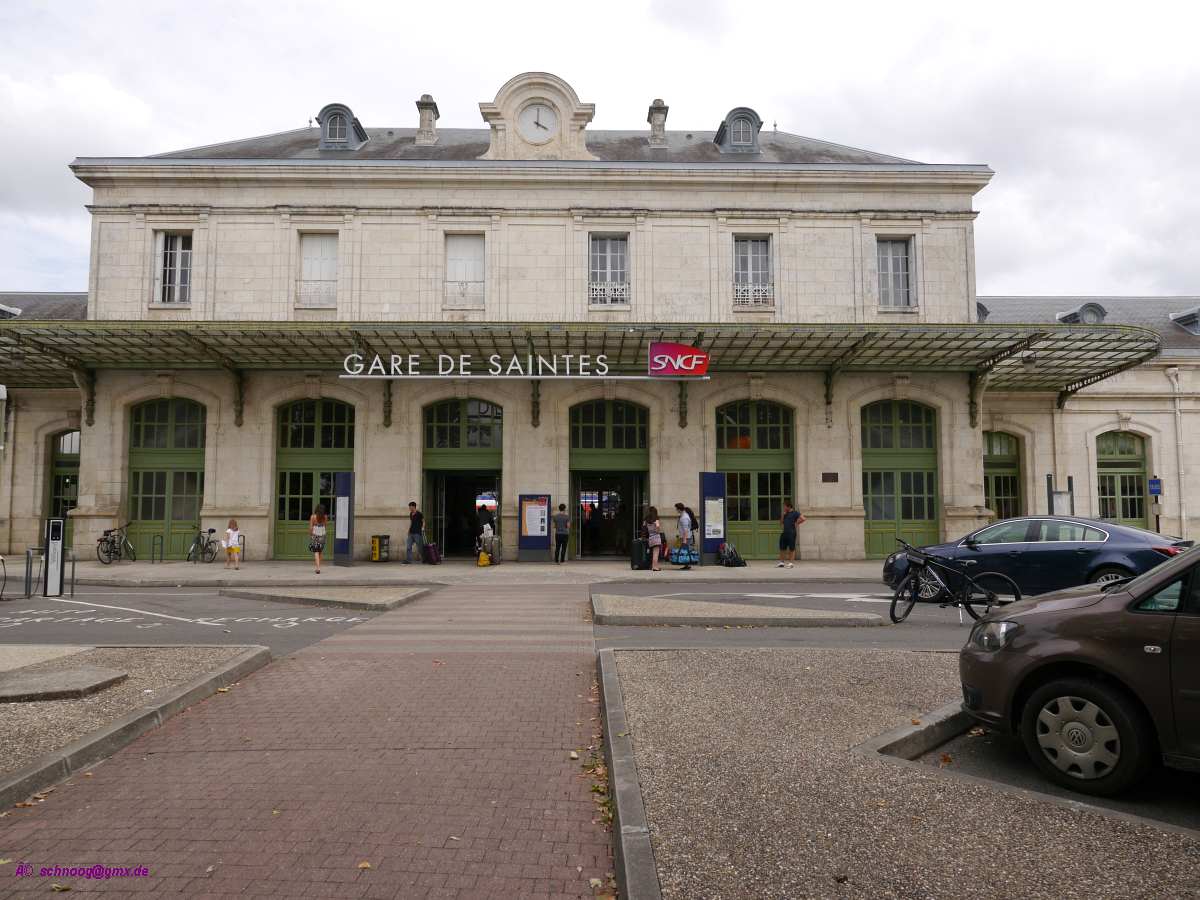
(538, 122)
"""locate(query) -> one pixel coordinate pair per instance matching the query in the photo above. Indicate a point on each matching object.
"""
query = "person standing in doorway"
(562, 531)
(416, 533)
(316, 535)
(654, 537)
(685, 528)
(787, 537)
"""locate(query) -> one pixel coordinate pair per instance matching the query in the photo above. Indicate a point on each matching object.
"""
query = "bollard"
(28, 573)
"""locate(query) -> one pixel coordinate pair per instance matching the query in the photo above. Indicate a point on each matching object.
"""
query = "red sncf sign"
(676, 359)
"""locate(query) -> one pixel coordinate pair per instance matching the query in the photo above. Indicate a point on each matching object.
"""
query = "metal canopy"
(1057, 358)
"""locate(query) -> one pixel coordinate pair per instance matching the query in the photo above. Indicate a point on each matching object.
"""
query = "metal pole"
(74, 559)
(28, 573)
(1049, 495)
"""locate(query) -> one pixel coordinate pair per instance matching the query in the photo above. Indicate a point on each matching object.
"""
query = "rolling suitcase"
(639, 554)
(433, 555)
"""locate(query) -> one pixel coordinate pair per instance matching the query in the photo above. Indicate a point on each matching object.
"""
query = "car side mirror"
(971, 542)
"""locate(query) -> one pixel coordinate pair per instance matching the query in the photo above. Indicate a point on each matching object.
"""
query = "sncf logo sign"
(677, 359)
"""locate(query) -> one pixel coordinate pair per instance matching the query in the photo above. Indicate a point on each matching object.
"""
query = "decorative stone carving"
(566, 140)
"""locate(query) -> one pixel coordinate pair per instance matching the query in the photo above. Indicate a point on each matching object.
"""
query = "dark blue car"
(1047, 553)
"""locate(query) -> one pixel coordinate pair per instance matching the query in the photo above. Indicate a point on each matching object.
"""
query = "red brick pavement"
(431, 742)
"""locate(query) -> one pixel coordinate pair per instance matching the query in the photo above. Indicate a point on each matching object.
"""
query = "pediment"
(528, 90)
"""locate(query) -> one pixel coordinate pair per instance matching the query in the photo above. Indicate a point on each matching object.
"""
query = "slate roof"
(1146, 312)
(44, 305)
(608, 146)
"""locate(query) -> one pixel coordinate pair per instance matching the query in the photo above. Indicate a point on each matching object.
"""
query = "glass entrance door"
(452, 509)
(607, 512)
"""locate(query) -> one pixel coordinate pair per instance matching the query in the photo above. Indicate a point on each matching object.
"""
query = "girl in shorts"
(233, 545)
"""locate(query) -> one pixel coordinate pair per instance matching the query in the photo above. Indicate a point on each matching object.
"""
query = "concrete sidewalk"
(279, 573)
(425, 753)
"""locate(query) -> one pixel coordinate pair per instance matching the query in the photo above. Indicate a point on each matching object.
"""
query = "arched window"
(754, 425)
(899, 475)
(316, 425)
(609, 424)
(166, 475)
(741, 132)
(1121, 465)
(167, 425)
(337, 127)
(464, 424)
(1002, 473)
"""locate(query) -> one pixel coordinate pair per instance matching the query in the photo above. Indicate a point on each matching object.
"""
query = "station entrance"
(609, 461)
(463, 458)
(457, 505)
(607, 512)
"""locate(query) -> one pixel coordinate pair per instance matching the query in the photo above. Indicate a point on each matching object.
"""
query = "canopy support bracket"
(1076, 386)
(535, 403)
(239, 396)
(977, 383)
(85, 380)
(387, 403)
(683, 404)
(829, 373)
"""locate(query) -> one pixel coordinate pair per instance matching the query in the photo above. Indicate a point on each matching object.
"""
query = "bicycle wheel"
(988, 590)
(210, 551)
(129, 551)
(904, 599)
(104, 552)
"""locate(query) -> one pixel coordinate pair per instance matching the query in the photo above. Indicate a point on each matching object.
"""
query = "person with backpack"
(787, 539)
(685, 529)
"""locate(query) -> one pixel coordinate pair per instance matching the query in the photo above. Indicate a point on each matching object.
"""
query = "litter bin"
(380, 547)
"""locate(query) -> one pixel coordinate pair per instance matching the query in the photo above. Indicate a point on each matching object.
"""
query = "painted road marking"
(130, 609)
(35, 616)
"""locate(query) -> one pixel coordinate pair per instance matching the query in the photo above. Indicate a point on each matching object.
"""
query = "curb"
(637, 875)
(911, 742)
(90, 749)
(222, 583)
(313, 601)
(822, 620)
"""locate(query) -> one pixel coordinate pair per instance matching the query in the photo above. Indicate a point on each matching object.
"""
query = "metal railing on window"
(464, 294)
(754, 296)
(608, 293)
(316, 294)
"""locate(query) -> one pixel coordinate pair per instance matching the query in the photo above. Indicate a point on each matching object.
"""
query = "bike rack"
(156, 549)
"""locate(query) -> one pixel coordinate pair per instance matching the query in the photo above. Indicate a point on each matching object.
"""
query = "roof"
(45, 305)
(468, 144)
(1060, 358)
(1153, 313)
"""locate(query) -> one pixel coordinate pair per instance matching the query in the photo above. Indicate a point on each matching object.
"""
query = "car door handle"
(970, 562)
(1152, 648)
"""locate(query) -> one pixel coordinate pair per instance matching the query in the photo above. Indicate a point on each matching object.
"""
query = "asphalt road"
(169, 616)
(1166, 796)
(928, 628)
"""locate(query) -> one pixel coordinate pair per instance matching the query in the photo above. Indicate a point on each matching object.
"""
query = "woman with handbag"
(654, 537)
(316, 534)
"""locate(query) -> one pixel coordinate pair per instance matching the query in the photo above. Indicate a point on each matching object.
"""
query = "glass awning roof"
(1057, 358)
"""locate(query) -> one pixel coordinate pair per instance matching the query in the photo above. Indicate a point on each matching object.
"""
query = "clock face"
(538, 123)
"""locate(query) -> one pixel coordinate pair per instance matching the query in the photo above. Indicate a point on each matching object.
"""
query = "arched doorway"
(610, 457)
(166, 475)
(900, 474)
(1121, 465)
(315, 440)
(463, 459)
(64, 480)
(754, 452)
(1002, 474)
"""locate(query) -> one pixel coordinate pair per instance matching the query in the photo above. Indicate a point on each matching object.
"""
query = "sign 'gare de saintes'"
(664, 360)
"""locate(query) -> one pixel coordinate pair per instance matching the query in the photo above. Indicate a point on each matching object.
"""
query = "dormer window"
(739, 132)
(1188, 319)
(1084, 314)
(339, 129)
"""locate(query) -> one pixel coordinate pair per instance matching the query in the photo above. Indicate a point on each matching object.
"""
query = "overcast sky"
(1088, 114)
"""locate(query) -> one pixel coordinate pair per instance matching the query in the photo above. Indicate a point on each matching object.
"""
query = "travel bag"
(684, 556)
(433, 555)
(728, 556)
(639, 554)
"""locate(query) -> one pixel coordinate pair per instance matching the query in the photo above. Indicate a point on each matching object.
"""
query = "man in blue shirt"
(787, 538)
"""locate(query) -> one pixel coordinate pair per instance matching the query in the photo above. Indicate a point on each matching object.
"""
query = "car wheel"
(1105, 574)
(1086, 736)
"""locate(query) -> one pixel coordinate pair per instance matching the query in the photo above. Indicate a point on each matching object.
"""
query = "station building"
(510, 280)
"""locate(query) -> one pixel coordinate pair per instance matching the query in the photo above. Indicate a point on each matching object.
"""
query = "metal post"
(28, 573)
(1071, 491)
(1049, 495)
(74, 559)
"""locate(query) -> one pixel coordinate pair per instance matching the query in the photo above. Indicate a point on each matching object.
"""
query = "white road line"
(140, 594)
(779, 596)
(866, 600)
(142, 611)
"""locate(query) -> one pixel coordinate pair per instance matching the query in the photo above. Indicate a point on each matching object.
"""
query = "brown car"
(1100, 681)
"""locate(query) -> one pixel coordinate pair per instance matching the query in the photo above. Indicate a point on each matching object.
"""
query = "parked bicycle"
(114, 544)
(204, 546)
(929, 580)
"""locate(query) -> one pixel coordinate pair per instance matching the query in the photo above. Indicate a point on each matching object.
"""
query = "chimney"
(657, 117)
(427, 129)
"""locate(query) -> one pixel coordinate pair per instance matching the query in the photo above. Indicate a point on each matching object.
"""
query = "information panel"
(343, 518)
(712, 515)
(533, 542)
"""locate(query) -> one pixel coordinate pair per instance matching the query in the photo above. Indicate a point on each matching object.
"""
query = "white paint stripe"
(141, 594)
(142, 611)
(866, 600)
(779, 596)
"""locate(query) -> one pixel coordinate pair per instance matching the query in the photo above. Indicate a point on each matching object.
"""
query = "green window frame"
(470, 424)
(609, 435)
(1002, 474)
(754, 425)
(316, 425)
(1121, 478)
(900, 475)
(175, 424)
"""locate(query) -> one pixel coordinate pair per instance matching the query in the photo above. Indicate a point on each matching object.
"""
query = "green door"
(1121, 460)
(166, 475)
(64, 480)
(315, 440)
(610, 457)
(1002, 474)
(900, 475)
(754, 452)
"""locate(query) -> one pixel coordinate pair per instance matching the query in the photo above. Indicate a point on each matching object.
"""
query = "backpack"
(728, 555)
(695, 519)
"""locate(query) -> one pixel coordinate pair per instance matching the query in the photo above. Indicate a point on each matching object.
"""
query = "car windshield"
(1181, 562)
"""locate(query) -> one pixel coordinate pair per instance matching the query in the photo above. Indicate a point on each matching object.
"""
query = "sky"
(1087, 112)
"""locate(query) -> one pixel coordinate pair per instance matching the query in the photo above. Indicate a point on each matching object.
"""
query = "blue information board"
(343, 518)
(533, 528)
(1155, 485)
(712, 515)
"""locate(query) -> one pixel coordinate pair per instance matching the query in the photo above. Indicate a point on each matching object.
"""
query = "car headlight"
(993, 635)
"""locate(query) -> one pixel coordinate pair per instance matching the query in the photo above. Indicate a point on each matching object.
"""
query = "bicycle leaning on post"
(929, 580)
(114, 544)
(204, 546)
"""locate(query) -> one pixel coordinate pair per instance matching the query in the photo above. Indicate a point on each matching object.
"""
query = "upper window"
(68, 444)
(337, 127)
(898, 425)
(316, 425)
(608, 270)
(465, 269)
(609, 425)
(173, 274)
(1165, 599)
(1004, 533)
(317, 286)
(754, 425)
(895, 283)
(167, 425)
(459, 424)
(1053, 530)
(753, 287)
(738, 132)
(742, 132)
